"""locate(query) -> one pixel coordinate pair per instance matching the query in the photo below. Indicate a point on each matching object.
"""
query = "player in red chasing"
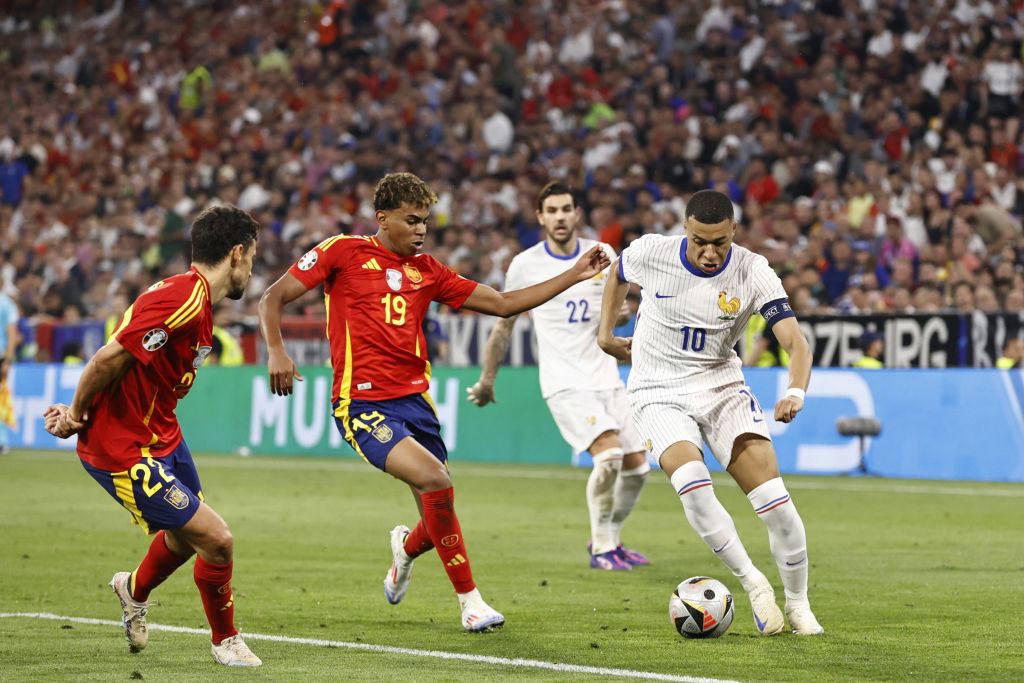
(377, 291)
(129, 439)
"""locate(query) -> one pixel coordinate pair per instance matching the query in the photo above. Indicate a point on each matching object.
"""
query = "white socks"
(627, 492)
(601, 499)
(786, 536)
(692, 483)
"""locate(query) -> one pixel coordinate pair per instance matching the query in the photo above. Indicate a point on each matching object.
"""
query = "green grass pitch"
(912, 580)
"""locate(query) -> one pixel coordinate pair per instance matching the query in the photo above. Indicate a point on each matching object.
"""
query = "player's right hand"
(282, 370)
(591, 263)
(481, 394)
(621, 348)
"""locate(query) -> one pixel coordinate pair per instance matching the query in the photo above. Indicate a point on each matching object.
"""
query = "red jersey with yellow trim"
(376, 301)
(168, 330)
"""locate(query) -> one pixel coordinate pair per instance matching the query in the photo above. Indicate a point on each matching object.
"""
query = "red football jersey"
(376, 301)
(168, 330)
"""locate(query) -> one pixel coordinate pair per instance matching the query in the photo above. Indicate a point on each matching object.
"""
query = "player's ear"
(236, 253)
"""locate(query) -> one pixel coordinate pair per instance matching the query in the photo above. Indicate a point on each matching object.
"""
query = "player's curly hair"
(709, 207)
(395, 189)
(218, 229)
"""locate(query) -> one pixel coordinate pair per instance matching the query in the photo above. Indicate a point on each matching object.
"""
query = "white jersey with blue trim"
(689, 321)
(566, 326)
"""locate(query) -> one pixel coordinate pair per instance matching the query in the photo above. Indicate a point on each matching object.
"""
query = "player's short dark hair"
(709, 207)
(555, 187)
(217, 230)
(395, 189)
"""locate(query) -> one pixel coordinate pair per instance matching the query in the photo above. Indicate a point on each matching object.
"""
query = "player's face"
(708, 245)
(559, 218)
(241, 271)
(404, 230)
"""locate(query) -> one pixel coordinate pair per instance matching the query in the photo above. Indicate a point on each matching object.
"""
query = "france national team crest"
(394, 279)
(154, 339)
(176, 497)
(730, 307)
(308, 260)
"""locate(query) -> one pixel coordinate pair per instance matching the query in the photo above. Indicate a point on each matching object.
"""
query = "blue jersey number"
(694, 338)
(581, 307)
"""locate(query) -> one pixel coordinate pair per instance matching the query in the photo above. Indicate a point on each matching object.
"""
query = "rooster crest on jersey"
(730, 307)
(394, 279)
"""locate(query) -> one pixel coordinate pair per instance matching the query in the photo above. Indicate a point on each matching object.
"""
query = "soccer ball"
(701, 607)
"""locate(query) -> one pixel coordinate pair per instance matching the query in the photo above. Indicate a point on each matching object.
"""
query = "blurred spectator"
(8, 344)
(828, 124)
(872, 346)
(1013, 353)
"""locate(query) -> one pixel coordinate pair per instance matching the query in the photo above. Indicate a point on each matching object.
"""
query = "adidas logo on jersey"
(372, 265)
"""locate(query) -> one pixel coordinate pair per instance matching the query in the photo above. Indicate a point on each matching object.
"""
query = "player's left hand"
(591, 263)
(481, 394)
(787, 408)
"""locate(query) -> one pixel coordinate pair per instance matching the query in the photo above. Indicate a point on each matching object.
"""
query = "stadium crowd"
(873, 147)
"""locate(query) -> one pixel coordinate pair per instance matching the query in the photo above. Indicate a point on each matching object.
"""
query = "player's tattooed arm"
(791, 338)
(482, 392)
(612, 301)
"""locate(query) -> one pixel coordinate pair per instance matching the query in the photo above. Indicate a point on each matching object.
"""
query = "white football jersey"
(566, 326)
(689, 321)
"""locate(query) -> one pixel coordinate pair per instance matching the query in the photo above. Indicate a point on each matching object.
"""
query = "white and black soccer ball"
(701, 607)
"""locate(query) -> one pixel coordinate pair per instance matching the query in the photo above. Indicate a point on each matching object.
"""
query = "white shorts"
(582, 416)
(716, 416)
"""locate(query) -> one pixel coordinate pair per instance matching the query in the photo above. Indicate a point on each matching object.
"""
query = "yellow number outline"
(396, 301)
(140, 470)
(374, 418)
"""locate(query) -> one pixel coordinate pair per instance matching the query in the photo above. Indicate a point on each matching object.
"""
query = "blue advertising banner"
(961, 424)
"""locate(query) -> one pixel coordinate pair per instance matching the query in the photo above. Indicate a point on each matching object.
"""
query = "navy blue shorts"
(373, 428)
(161, 493)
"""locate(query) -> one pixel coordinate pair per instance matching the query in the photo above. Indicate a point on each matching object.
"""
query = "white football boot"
(801, 619)
(767, 615)
(234, 652)
(477, 615)
(133, 613)
(396, 582)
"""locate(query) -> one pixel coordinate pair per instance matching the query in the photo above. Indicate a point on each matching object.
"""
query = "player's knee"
(221, 546)
(434, 479)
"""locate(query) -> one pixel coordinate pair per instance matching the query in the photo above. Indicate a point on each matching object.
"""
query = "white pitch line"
(388, 649)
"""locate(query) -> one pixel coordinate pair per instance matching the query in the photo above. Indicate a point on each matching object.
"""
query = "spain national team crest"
(154, 339)
(413, 273)
(176, 497)
(730, 307)
(394, 279)
(383, 433)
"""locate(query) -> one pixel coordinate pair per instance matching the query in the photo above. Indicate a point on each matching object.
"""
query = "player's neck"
(567, 249)
(217, 278)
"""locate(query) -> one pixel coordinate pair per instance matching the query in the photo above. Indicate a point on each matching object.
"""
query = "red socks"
(446, 535)
(418, 541)
(158, 564)
(214, 582)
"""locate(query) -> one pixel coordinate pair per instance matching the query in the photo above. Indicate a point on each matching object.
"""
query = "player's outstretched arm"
(792, 339)
(280, 365)
(482, 392)
(612, 300)
(485, 299)
(108, 365)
